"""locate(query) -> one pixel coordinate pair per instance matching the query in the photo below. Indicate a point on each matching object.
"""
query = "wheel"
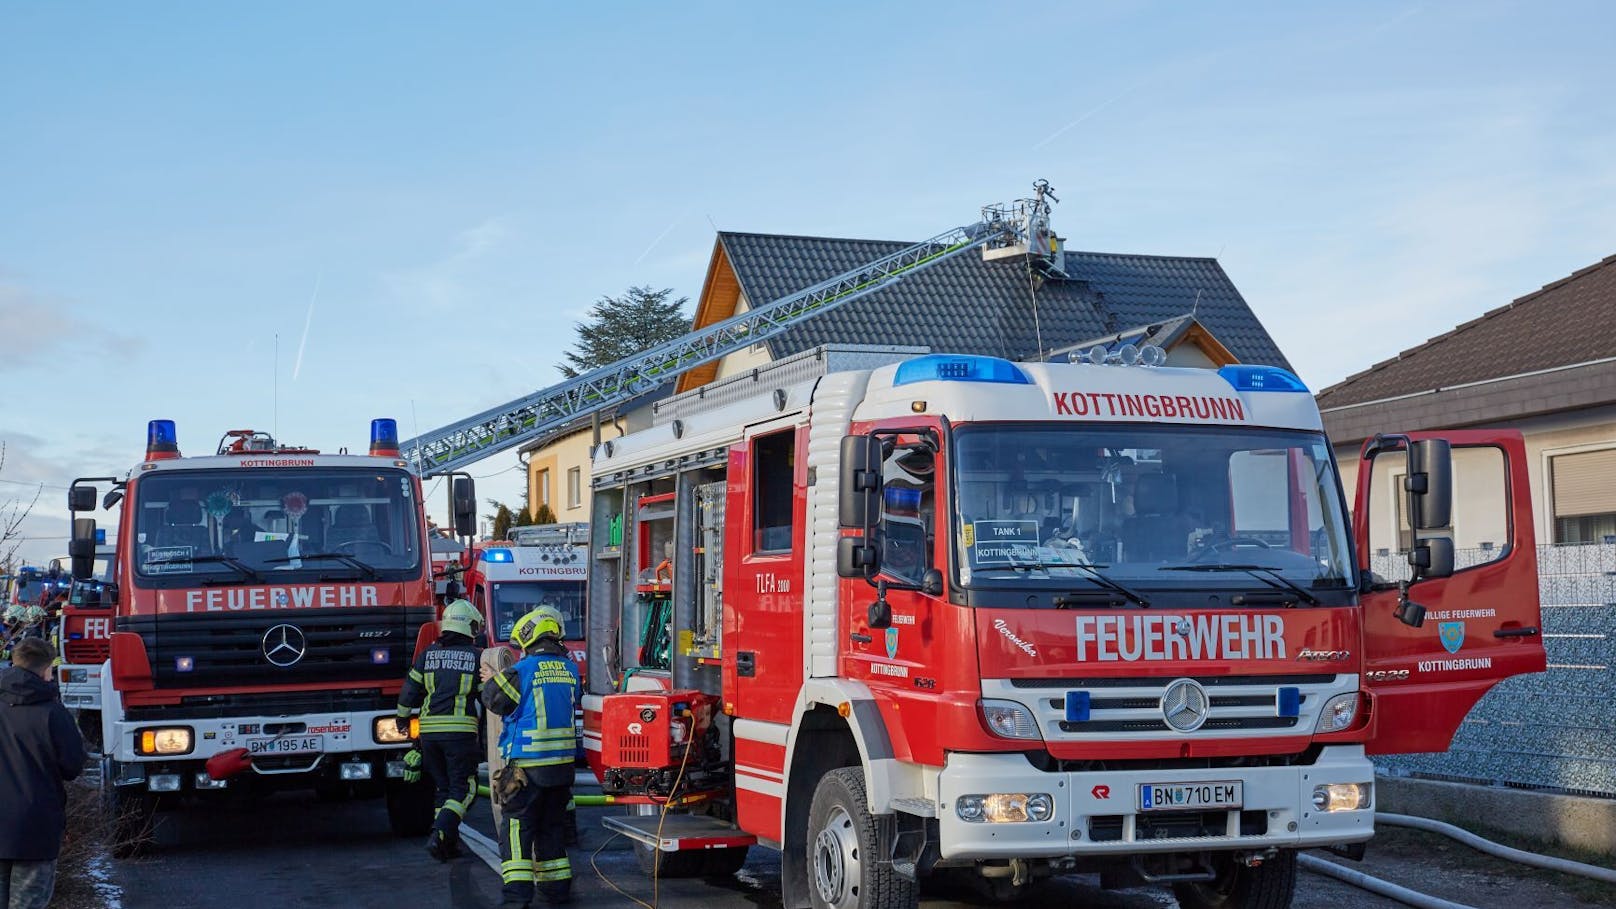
(409, 808)
(134, 820)
(1270, 885)
(842, 868)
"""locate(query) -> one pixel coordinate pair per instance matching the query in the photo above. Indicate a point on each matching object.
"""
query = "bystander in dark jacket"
(40, 749)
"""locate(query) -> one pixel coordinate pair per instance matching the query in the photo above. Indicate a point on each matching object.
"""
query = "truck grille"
(89, 652)
(1130, 708)
(336, 645)
(270, 703)
(1110, 828)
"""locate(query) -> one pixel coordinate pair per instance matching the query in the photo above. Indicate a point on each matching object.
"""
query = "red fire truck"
(85, 632)
(540, 564)
(959, 615)
(266, 602)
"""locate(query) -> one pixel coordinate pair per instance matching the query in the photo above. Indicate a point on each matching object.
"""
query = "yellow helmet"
(545, 621)
(461, 617)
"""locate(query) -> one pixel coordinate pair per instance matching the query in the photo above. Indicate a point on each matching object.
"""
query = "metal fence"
(1552, 730)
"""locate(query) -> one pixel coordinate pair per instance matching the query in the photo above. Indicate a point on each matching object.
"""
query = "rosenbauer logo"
(1171, 407)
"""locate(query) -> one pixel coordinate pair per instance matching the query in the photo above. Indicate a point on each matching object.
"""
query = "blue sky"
(421, 199)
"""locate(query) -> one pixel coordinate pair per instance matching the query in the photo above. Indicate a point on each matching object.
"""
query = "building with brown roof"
(1544, 364)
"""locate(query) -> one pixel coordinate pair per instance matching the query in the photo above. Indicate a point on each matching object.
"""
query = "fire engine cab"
(955, 614)
(543, 564)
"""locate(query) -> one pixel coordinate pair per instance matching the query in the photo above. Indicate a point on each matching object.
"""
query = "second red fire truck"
(958, 615)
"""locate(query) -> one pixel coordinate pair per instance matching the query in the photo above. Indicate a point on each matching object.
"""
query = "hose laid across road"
(1374, 884)
(1521, 856)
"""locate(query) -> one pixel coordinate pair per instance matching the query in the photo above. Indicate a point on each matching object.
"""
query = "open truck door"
(1462, 614)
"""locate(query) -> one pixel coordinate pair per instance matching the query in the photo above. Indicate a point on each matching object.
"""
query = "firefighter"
(443, 685)
(537, 697)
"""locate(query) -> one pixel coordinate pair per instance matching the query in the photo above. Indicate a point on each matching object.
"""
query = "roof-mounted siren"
(384, 438)
(1028, 236)
(162, 441)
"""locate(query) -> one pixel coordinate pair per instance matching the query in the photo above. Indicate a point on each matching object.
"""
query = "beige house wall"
(548, 470)
(744, 360)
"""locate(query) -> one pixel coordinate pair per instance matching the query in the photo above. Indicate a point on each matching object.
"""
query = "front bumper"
(1097, 812)
(80, 686)
(321, 737)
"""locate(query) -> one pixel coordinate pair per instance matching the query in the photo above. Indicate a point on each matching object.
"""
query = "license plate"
(1213, 795)
(301, 744)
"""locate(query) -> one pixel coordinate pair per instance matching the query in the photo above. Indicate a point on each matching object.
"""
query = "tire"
(843, 872)
(409, 808)
(133, 821)
(1271, 885)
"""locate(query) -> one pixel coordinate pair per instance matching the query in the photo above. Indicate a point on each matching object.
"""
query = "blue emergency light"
(1077, 706)
(384, 437)
(959, 368)
(1288, 702)
(901, 500)
(1261, 378)
(498, 555)
(162, 440)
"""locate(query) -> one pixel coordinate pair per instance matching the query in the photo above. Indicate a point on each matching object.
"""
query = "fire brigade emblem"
(1452, 635)
(892, 643)
(284, 645)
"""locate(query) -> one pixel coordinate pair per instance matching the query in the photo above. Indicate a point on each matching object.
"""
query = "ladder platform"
(680, 832)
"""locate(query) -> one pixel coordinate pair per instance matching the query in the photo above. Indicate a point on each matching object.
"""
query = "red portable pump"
(663, 740)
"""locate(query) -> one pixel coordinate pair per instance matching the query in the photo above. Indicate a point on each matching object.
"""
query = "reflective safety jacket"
(443, 684)
(537, 697)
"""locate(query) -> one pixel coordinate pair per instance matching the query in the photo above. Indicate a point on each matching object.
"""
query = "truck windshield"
(255, 525)
(514, 599)
(1152, 507)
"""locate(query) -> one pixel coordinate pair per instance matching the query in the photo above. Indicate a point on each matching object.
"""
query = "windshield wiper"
(1095, 575)
(346, 559)
(1270, 576)
(243, 568)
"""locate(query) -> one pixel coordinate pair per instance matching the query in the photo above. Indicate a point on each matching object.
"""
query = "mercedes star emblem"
(1184, 705)
(284, 645)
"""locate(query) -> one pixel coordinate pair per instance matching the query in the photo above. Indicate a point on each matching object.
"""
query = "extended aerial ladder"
(1020, 228)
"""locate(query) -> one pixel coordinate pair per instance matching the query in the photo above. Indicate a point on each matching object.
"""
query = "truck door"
(1482, 623)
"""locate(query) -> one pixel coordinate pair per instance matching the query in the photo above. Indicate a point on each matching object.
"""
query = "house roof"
(1570, 321)
(1165, 334)
(968, 305)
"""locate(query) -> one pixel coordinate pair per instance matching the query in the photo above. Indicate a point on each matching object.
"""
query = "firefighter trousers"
(450, 759)
(534, 842)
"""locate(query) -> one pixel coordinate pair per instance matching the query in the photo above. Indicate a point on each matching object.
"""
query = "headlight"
(386, 731)
(1342, 796)
(1338, 713)
(170, 740)
(1005, 807)
(1008, 720)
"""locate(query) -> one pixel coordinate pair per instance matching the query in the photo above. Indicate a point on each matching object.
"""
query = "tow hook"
(1020, 873)
(1255, 859)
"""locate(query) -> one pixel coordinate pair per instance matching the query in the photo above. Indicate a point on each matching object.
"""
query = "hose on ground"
(1521, 856)
(1374, 884)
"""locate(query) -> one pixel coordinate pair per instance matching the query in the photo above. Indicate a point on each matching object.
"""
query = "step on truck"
(959, 616)
(266, 602)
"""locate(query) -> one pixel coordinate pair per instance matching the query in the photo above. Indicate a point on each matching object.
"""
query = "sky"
(301, 216)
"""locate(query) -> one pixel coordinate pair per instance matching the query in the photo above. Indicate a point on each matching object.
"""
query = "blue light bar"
(1288, 702)
(901, 500)
(384, 437)
(1077, 706)
(959, 368)
(1261, 378)
(498, 555)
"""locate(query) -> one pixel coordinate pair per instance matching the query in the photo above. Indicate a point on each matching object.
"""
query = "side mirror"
(881, 612)
(860, 475)
(81, 547)
(80, 498)
(112, 498)
(1432, 558)
(463, 501)
(931, 583)
(856, 558)
(1430, 484)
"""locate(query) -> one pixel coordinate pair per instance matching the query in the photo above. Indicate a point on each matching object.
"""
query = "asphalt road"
(291, 850)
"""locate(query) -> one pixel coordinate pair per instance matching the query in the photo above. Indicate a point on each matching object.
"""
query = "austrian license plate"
(299, 744)
(1214, 795)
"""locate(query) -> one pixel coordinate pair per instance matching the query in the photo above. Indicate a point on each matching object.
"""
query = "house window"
(544, 486)
(773, 458)
(1584, 496)
(575, 487)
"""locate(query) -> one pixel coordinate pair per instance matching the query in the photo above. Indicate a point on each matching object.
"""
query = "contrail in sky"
(665, 231)
(308, 320)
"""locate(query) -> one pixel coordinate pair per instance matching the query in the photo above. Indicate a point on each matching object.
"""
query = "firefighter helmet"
(462, 618)
(543, 622)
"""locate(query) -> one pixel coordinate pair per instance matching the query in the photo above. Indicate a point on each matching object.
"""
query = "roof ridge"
(1472, 323)
(1071, 252)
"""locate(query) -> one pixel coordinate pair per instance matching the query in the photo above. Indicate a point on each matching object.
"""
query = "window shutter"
(1584, 483)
